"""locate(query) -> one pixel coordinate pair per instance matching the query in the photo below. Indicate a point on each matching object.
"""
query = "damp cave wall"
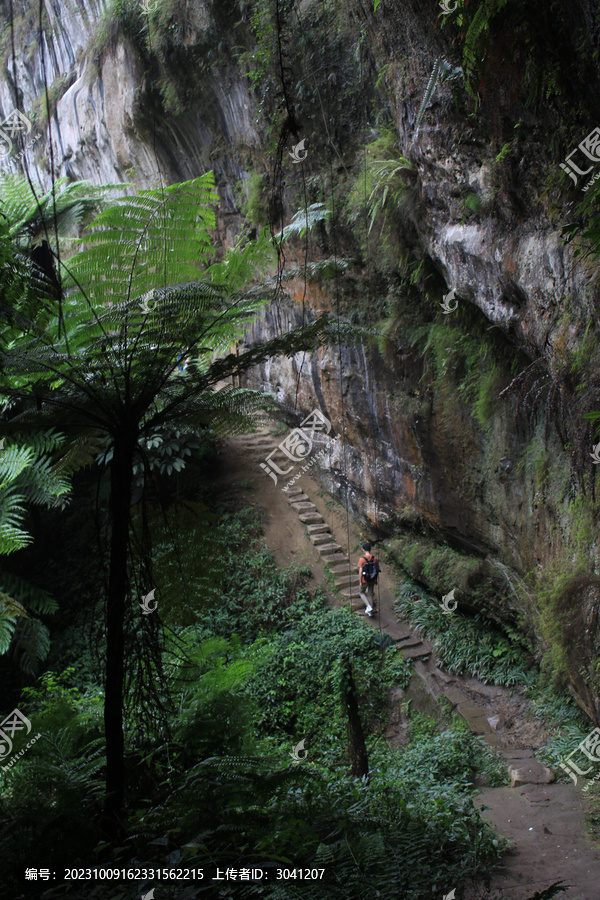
(411, 453)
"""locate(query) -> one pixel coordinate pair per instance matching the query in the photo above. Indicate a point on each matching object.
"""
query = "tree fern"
(111, 370)
(32, 219)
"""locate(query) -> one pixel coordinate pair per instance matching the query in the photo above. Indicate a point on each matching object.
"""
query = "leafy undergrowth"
(471, 645)
(256, 675)
(465, 644)
(567, 724)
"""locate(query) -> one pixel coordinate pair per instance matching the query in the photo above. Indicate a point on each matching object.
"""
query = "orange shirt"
(361, 563)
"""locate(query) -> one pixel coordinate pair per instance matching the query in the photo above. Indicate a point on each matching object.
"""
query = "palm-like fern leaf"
(441, 71)
(304, 220)
(30, 217)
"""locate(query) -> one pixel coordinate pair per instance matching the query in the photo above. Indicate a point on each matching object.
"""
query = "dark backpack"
(370, 569)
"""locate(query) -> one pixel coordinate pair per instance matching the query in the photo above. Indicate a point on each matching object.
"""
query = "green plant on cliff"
(255, 203)
(435, 564)
(568, 596)
(177, 48)
(379, 181)
(442, 71)
(56, 90)
(466, 367)
(375, 196)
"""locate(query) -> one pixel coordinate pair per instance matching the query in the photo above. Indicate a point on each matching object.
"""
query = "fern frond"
(442, 70)
(30, 644)
(27, 594)
(304, 220)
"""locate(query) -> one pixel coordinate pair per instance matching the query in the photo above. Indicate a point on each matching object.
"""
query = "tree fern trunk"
(357, 749)
(118, 584)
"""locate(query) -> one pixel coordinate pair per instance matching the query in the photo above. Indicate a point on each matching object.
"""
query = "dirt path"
(306, 527)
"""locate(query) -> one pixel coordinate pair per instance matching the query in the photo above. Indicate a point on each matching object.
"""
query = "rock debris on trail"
(543, 819)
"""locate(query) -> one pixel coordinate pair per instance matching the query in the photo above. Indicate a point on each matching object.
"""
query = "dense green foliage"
(259, 672)
(250, 661)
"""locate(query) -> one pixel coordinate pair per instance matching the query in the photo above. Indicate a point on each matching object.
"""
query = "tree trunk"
(357, 749)
(118, 585)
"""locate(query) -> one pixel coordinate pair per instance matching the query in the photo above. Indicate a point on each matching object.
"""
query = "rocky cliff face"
(107, 124)
(410, 448)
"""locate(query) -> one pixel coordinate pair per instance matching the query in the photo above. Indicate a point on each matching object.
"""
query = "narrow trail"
(544, 820)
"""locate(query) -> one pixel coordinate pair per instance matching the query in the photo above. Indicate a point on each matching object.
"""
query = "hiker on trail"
(368, 569)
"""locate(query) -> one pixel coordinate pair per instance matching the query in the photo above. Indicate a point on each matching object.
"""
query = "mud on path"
(545, 821)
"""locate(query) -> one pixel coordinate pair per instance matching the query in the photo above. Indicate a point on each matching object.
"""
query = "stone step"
(530, 771)
(417, 652)
(303, 506)
(472, 710)
(350, 592)
(494, 740)
(294, 491)
(335, 558)
(297, 498)
(328, 548)
(318, 529)
(260, 453)
(408, 636)
(455, 696)
(346, 580)
(477, 724)
(512, 755)
(342, 570)
(311, 517)
(320, 538)
(438, 673)
(410, 642)
(258, 448)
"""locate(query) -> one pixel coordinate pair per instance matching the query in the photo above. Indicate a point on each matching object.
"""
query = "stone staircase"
(432, 682)
(332, 553)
